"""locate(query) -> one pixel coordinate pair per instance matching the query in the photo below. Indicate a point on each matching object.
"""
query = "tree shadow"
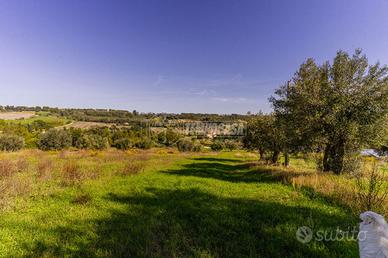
(211, 159)
(193, 223)
(251, 173)
(237, 173)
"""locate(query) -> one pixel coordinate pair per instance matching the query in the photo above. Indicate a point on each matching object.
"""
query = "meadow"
(162, 203)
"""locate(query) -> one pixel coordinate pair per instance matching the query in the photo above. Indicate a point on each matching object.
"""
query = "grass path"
(181, 206)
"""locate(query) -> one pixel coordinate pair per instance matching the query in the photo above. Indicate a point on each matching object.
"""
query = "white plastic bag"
(373, 236)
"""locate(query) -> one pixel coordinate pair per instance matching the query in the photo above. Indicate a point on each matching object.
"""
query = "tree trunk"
(275, 156)
(333, 159)
(262, 158)
(326, 164)
(338, 157)
(286, 159)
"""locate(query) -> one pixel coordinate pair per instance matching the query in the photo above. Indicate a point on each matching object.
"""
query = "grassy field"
(25, 118)
(52, 120)
(159, 203)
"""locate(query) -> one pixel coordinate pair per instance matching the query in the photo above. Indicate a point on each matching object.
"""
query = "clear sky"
(214, 56)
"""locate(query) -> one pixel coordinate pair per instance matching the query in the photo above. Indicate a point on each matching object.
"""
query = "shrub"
(197, 147)
(54, 139)
(231, 145)
(122, 144)
(185, 144)
(97, 142)
(217, 146)
(11, 142)
(372, 189)
(81, 142)
(352, 164)
(144, 143)
(168, 137)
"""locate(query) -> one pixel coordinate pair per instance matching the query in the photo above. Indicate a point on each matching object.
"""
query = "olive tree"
(11, 142)
(340, 107)
(264, 135)
(54, 139)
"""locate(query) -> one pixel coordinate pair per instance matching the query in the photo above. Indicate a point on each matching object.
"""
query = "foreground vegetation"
(99, 188)
(162, 203)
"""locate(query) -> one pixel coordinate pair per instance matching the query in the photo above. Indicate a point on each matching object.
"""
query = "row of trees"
(336, 109)
(124, 139)
(42, 134)
(123, 116)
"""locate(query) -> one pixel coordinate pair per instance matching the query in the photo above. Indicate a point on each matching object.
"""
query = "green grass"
(200, 205)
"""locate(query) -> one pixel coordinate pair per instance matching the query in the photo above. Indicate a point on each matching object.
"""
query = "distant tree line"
(124, 116)
(43, 135)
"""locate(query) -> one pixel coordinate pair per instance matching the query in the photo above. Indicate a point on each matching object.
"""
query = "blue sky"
(214, 56)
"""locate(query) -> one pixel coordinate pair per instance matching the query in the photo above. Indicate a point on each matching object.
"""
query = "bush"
(168, 137)
(11, 142)
(54, 139)
(197, 147)
(144, 143)
(231, 145)
(122, 144)
(217, 146)
(185, 144)
(352, 164)
(79, 139)
(371, 188)
(97, 142)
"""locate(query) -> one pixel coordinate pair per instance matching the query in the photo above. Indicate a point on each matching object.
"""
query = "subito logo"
(304, 234)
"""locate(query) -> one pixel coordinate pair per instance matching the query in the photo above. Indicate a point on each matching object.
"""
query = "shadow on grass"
(242, 172)
(192, 223)
(211, 159)
(250, 173)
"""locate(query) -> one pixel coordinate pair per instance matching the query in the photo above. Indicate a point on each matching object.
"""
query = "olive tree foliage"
(11, 142)
(339, 107)
(55, 139)
(264, 135)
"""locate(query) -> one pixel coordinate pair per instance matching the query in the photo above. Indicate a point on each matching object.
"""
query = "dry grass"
(18, 186)
(71, 174)
(44, 169)
(22, 164)
(7, 168)
(135, 164)
(132, 168)
(341, 189)
(16, 115)
(94, 171)
(14, 186)
(114, 156)
(33, 172)
(63, 154)
(87, 125)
